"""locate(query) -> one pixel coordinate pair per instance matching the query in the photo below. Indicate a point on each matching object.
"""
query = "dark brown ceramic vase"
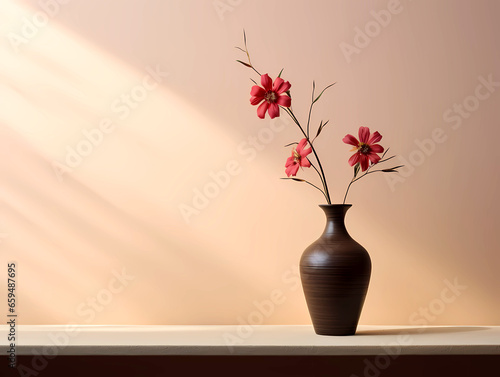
(335, 272)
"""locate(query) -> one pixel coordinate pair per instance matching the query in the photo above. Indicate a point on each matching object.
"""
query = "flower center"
(296, 155)
(363, 148)
(270, 97)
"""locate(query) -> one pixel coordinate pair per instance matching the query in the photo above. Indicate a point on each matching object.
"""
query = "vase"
(335, 272)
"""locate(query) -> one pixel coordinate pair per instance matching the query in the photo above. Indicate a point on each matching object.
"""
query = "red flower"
(272, 95)
(366, 149)
(298, 158)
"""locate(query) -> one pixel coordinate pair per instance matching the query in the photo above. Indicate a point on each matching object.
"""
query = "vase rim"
(335, 205)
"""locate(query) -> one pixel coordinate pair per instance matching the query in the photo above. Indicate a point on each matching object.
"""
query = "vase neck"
(335, 215)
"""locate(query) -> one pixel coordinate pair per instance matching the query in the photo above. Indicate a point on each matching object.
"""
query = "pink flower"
(366, 149)
(272, 95)
(298, 158)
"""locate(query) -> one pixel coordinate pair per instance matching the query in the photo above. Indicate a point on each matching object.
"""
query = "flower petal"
(305, 152)
(284, 100)
(364, 134)
(274, 110)
(289, 161)
(375, 138)
(354, 159)
(266, 82)
(376, 148)
(304, 162)
(301, 145)
(349, 139)
(277, 83)
(257, 91)
(363, 161)
(284, 87)
(374, 158)
(292, 170)
(261, 110)
(256, 100)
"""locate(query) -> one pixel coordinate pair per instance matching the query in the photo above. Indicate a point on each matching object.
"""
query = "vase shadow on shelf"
(423, 330)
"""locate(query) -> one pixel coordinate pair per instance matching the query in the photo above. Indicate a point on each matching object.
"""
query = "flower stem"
(309, 117)
(357, 179)
(248, 54)
(309, 183)
(317, 171)
(348, 187)
(322, 174)
(364, 175)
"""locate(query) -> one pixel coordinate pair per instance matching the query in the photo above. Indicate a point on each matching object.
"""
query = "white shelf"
(259, 340)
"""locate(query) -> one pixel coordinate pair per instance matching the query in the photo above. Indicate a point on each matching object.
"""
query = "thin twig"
(309, 183)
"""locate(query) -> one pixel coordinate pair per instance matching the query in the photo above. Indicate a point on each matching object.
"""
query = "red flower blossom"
(366, 149)
(298, 159)
(272, 95)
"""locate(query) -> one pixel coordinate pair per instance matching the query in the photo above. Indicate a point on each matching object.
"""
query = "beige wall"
(117, 208)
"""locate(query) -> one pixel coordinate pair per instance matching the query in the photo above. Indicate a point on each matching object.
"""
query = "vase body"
(335, 272)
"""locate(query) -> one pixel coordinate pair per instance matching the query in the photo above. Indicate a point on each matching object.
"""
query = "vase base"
(335, 331)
